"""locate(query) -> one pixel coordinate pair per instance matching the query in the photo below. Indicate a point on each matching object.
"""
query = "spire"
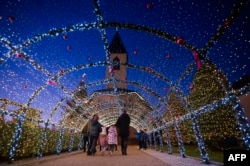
(116, 45)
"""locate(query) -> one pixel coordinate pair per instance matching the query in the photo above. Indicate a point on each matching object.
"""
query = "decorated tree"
(218, 127)
(6, 131)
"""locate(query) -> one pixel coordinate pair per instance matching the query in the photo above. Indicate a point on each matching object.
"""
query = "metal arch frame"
(134, 83)
(107, 81)
(91, 84)
(101, 109)
(20, 107)
(101, 26)
(55, 32)
(106, 121)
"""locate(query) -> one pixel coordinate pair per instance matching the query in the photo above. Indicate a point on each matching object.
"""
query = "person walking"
(144, 139)
(112, 139)
(94, 129)
(85, 137)
(139, 138)
(103, 140)
(123, 123)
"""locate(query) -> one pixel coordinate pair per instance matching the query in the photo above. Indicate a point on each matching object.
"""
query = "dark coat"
(123, 123)
(94, 128)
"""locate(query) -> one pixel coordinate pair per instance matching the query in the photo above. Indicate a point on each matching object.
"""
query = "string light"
(161, 140)
(170, 150)
(242, 120)
(80, 144)
(72, 137)
(231, 97)
(16, 136)
(201, 144)
(44, 138)
(60, 140)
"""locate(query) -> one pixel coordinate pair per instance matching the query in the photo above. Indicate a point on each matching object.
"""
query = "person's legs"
(90, 145)
(103, 149)
(93, 145)
(122, 145)
(125, 145)
(84, 145)
(140, 144)
(145, 144)
(111, 149)
(85, 140)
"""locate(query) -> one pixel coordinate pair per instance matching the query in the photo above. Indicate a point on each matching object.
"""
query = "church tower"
(118, 55)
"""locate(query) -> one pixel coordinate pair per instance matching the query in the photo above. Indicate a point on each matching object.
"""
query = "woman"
(94, 128)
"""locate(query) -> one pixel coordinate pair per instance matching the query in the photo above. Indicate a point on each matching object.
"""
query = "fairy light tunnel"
(151, 120)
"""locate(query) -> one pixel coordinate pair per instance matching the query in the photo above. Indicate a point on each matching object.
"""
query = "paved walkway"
(135, 157)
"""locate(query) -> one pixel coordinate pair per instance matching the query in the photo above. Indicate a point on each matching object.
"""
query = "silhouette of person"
(123, 123)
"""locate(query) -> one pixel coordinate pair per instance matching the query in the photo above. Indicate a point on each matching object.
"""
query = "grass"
(193, 151)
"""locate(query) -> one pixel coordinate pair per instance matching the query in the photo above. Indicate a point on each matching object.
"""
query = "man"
(123, 123)
(94, 128)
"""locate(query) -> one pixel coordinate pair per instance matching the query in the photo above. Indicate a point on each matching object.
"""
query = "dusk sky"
(31, 55)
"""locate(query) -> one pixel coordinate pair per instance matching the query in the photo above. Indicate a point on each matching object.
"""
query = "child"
(112, 139)
(103, 140)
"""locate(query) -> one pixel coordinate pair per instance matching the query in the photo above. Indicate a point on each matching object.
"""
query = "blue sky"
(193, 20)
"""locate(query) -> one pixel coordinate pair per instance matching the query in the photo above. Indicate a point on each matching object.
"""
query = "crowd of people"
(106, 137)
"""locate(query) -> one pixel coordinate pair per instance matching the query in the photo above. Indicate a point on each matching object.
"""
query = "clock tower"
(118, 56)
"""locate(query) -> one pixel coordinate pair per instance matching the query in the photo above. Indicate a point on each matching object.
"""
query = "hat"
(104, 131)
